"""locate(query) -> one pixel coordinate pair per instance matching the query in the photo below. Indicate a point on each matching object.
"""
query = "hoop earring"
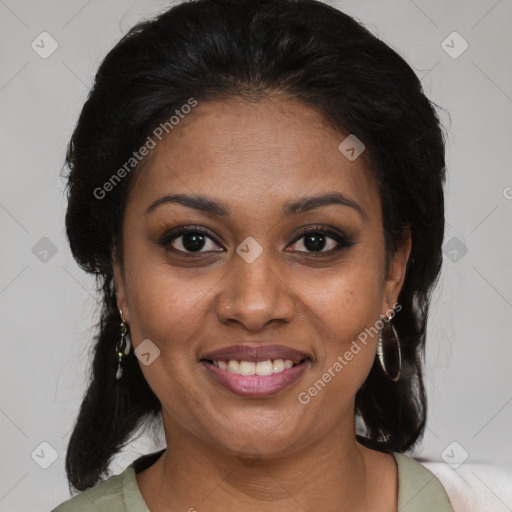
(388, 350)
(123, 345)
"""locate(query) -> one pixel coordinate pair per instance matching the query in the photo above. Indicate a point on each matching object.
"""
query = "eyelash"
(342, 241)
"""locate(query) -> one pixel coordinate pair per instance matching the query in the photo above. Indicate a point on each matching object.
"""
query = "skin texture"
(254, 157)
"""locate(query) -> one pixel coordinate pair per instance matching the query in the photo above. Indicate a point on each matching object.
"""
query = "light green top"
(419, 490)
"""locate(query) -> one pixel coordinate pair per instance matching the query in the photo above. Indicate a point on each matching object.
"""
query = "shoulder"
(115, 494)
(419, 490)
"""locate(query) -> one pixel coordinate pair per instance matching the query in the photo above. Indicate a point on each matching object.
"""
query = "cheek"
(164, 308)
(346, 309)
(164, 311)
(348, 303)
(169, 313)
(161, 297)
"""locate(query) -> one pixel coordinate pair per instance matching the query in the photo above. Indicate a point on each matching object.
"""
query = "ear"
(119, 286)
(396, 273)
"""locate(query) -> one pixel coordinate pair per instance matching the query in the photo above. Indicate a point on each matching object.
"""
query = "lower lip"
(257, 386)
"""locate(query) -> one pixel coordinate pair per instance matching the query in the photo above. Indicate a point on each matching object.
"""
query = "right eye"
(188, 240)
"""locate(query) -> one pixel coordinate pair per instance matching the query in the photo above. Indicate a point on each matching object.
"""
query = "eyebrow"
(302, 205)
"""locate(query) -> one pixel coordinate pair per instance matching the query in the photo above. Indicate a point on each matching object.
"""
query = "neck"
(330, 474)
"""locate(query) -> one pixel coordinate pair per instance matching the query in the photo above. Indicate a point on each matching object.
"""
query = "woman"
(258, 187)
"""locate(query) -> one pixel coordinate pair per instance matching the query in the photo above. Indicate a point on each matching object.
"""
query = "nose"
(255, 294)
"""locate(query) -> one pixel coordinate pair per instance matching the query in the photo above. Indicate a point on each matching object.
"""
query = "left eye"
(316, 240)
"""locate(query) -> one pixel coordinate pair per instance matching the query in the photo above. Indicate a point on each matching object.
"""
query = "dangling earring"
(388, 350)
(123, 345)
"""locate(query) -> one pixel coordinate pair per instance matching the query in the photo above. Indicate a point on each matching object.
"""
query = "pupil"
(193, 241)
(318, 242)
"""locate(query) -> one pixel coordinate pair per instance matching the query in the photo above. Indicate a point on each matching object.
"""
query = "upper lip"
(255, 353)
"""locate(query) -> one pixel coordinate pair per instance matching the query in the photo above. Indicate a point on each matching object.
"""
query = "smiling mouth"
(260, 368)
(256, 379)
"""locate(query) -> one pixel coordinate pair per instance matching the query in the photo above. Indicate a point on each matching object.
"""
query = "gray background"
(47, 303)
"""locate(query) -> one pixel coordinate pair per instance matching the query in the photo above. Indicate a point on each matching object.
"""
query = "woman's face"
(251, 279)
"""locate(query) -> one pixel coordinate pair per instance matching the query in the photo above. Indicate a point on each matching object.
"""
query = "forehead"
(247, 152)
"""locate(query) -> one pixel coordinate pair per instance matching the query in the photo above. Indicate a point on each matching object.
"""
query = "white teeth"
(247, 368)
(278, 365)
(288, 364)
(233, 366)
(264, 368)
(261, 368)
